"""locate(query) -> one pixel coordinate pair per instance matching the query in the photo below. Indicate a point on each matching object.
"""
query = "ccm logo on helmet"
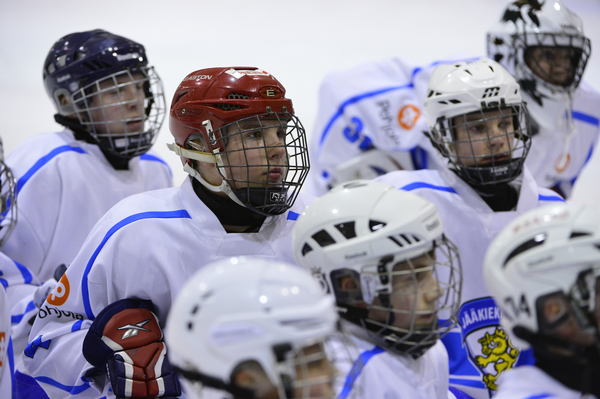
(269, 92)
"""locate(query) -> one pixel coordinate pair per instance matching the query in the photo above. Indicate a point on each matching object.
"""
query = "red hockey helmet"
(219, 105)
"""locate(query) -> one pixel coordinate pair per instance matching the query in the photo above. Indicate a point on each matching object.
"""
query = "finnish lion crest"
(497, 350)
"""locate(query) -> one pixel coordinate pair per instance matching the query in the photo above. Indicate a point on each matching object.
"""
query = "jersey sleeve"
(370, 106)
(53, 357)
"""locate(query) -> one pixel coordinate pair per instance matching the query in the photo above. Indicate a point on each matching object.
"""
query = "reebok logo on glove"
(126, 341)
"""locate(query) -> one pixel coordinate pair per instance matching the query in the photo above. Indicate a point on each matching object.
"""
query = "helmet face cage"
(8, 200)
(307, 373)
(542, 45)
(485, 147)
(388, 301)
(264, 160)
(123, 111)
(572, 315)
(552, 60)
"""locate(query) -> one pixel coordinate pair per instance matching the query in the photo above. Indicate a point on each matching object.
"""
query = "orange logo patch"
(60, 293)
(408, 116)
(3, 347)
(562, 163)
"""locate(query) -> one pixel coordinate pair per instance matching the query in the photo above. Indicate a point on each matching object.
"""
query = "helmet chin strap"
(224, 187)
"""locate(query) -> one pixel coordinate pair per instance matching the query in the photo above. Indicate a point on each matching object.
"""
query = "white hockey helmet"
(533, 30)
(363, 229)
(8, 199)
(248, 309)
(479, 88)
(547, 251)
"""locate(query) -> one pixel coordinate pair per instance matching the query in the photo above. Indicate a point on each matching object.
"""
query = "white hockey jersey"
(6, 351)
(379, 104)
(372, 372)
(64, 186)
(471, 225)
(145, 247)
(529, 382)
(20, 286)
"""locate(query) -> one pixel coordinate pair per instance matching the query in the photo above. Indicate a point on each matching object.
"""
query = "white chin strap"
(208, 158)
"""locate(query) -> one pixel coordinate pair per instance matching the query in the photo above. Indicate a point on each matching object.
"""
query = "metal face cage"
(123, 111)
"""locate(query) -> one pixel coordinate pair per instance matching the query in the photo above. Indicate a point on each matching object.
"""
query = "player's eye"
(477, 128)
(254, 134)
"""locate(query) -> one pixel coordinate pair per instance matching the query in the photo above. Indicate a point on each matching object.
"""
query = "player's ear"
(252, 377)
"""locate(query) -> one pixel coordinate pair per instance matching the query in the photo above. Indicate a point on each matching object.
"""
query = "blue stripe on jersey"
(11, 364)
(44, 160)
(356, 369)
(73, 390)
(417, 185)
(580, 116)
(540, 396)
(148, 157)
(550, 198)
(15, 319)
(77, 325)
(182, 213)
(27, 277)
(292, 215)
(363, 96)
(351, 101)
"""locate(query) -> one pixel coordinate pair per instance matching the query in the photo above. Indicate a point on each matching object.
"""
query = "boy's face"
(556, 312)
(415, 291)
(484, 142)
(117, 106)
(555, 65)
(256, 156)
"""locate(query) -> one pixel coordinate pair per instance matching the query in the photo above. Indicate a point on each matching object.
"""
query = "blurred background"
(297, 41)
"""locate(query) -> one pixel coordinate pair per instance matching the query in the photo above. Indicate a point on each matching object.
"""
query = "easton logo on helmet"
(270, 92)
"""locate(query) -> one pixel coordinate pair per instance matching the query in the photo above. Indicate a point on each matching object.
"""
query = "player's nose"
(275, 145)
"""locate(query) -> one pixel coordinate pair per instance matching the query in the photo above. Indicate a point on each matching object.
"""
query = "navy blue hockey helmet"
(104, 83)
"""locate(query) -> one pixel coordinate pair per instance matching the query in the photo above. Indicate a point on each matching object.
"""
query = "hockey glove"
(127, 341)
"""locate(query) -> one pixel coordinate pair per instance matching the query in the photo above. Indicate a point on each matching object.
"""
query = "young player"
(383, 254)
(377, 107)
(245, 151)
(543, 270)
(10, 278)
(252, 327)
(478, 123)
(111, 104)
(541, 43)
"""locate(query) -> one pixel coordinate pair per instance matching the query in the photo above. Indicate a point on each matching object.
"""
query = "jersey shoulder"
(44, 146)
(368, 76)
